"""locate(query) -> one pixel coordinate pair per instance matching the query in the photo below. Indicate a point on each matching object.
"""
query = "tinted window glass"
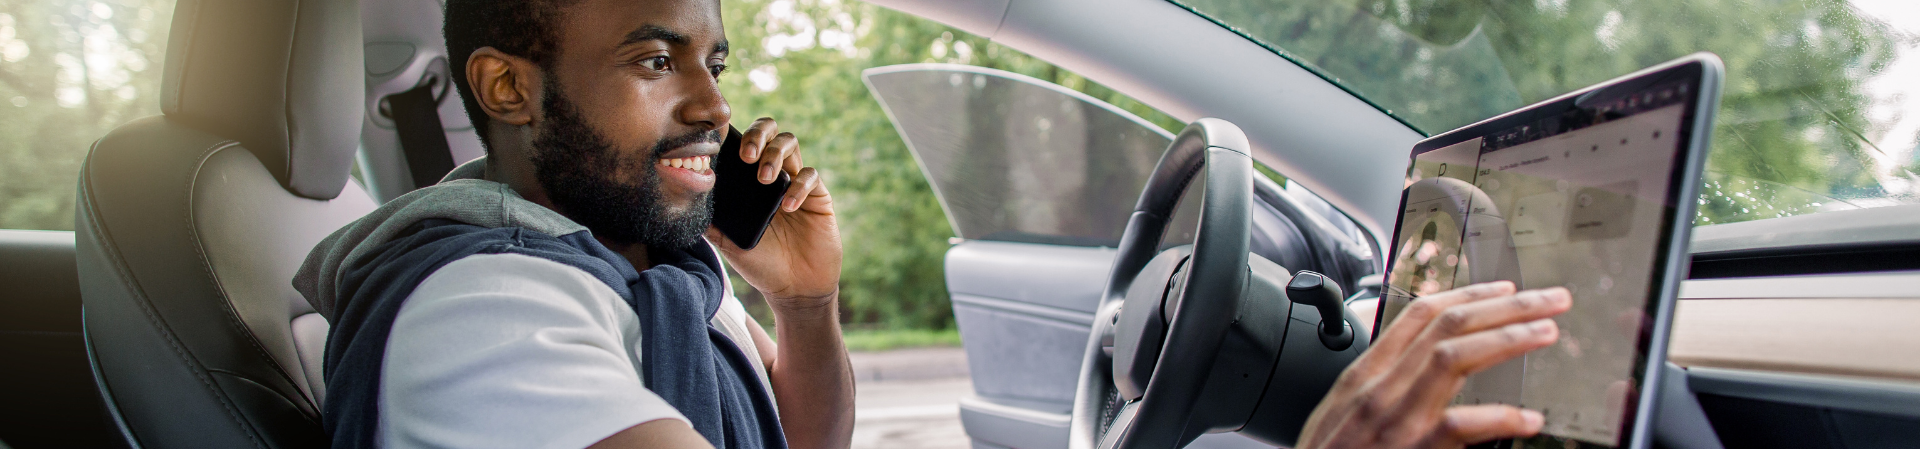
(1018, 159)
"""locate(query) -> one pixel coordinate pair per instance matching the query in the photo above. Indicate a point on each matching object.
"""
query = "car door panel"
(1064, 278)
(47, 392)
(1024, 311)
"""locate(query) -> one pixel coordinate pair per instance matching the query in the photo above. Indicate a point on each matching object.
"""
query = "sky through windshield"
(1821, 108)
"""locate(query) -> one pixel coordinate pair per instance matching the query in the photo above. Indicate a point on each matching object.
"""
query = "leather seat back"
(190, 226)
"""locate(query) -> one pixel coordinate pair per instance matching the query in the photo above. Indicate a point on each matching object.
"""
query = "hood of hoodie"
(462, 196)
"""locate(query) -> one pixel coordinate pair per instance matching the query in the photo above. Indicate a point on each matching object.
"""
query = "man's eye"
(717, 69)
(655, 63)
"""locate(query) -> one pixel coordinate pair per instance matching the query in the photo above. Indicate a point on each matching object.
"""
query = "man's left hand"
(797, 263)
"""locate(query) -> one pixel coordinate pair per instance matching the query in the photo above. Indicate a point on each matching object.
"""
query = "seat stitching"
(233, 315)
(126, 278)
(238, 376)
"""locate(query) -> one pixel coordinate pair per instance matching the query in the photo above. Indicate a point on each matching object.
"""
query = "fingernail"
(1533, 418)
(789, 204)
(1496, 286)
(766, 174)
(750, 154)
(1541, 326)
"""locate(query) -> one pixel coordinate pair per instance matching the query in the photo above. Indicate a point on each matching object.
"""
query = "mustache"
(670, 143)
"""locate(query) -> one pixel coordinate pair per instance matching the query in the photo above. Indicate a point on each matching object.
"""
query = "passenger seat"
(190, 226)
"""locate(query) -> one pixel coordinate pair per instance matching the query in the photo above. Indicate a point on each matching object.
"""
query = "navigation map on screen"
(1577, 201)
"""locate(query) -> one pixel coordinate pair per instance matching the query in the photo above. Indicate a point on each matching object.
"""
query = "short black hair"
(524, 28)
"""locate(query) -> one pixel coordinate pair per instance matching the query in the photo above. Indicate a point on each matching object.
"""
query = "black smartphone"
(742, 206)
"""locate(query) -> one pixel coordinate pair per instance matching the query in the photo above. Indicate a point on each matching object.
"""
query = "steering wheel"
(1189, 340)
(1152, 382)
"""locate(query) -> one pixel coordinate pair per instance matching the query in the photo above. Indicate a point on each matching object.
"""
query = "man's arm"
(664, 433)
(811, 376)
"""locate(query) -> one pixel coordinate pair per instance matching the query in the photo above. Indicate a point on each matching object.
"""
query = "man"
(560, 293)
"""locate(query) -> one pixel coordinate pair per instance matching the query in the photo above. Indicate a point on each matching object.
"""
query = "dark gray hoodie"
(358, 277)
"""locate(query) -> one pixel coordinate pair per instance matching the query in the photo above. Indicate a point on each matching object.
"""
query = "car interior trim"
(106, 395)
(1013, 426)
(47, 382)
(1880, 226)
(1863, 337)
(1036, 311)
(1855, 394)
(1809, 259)
(1886, 284)
(1059, 277)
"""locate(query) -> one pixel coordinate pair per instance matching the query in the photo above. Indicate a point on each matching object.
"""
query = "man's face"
(631, 118)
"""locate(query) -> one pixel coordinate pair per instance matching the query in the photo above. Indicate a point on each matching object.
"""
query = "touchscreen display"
(1575, 200)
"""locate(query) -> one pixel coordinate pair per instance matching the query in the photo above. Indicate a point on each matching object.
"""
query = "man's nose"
(704, 107)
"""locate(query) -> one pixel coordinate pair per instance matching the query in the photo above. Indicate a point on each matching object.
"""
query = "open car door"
(1038, 181)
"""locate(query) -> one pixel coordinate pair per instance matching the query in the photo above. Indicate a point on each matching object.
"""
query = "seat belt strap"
(424, 140)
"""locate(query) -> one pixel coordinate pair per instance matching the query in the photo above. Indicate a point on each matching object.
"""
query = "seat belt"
(417, 118)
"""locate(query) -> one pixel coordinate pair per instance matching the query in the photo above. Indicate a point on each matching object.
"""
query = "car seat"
(191, 224)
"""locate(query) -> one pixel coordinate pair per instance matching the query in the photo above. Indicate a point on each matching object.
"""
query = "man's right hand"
(1397, 395)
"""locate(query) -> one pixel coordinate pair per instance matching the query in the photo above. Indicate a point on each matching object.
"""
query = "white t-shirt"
(515, 351)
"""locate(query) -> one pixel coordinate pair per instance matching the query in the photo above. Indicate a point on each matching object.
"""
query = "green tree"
(1792, 118)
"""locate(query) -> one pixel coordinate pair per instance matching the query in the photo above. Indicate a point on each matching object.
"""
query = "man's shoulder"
(546, 339)
(477, 204)
(510, 285)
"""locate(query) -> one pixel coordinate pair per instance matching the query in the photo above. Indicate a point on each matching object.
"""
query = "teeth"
(697, 163)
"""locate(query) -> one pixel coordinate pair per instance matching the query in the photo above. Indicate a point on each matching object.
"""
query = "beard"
(581, 173)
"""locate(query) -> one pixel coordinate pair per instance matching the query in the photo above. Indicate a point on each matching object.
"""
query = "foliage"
(69, 72)
(884, 339)
(1793, 117)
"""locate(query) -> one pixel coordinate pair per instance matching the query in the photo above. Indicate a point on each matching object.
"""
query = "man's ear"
(503, 84)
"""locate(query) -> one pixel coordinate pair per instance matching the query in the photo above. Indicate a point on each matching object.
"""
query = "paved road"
(909, 399)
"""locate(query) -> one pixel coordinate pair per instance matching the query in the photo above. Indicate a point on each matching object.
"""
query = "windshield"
(1820, 110)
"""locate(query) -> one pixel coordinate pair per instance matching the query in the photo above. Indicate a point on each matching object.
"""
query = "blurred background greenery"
(1820, 109)
(1815, 115)
(69, 71)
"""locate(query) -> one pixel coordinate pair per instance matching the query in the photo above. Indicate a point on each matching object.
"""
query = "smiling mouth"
(696, 164)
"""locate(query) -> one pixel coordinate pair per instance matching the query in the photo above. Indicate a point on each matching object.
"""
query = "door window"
(1014, 158)
(70, 70)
